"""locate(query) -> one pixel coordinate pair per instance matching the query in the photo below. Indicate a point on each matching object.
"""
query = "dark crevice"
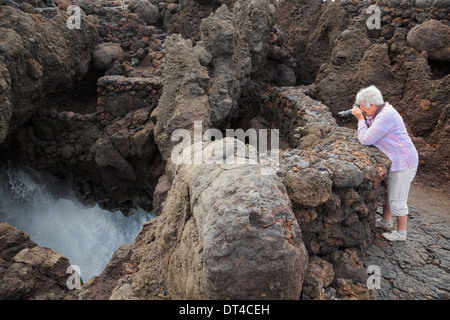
(81, 98)
(439, 69)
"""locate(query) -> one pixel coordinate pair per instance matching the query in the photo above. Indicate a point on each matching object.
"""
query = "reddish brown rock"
(433, 37)
(28, 271)
(319, 276)
(347, 290)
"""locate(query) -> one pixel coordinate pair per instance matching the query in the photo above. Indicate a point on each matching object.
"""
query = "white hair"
(370, 95)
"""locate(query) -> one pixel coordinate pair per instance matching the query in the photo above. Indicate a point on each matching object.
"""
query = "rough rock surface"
(203, 83)
(38, 58)
(100, 288)
(334, 183)
(433, 37)
(28, 271)
(417, 269)
(105, 54)
(185, 16)
(109, 152)
(246, 245)
(320, 275)
(208, 246)
(145, 9)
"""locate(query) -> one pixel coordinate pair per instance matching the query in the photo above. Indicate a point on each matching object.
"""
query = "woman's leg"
(399, 184)
(386, 213)
(401, 223)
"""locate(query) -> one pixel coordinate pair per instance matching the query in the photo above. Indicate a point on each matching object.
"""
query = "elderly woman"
(379, 124)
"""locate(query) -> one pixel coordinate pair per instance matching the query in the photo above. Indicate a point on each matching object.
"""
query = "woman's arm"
(381, 126)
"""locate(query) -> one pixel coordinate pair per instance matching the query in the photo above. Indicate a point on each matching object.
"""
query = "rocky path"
(420, 267)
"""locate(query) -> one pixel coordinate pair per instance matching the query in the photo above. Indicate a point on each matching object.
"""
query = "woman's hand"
(357, 112)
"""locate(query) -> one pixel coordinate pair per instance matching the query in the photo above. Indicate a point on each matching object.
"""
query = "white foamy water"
(50, 213)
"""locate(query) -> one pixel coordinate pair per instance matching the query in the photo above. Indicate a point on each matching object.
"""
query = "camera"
(348, 113)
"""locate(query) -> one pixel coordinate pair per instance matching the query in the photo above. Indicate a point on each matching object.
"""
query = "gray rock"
(26, 7)
(115, 69)
(245, 244)
(424, 3)
(345, 174)
(415, 269)
(286, 76)
(433, 37)
(348, 265)
(67, 152)
(203, 83)
(308, 187)
(105, 54)
(442, 3)
(145, 9)
(29, 271)
(38, 75)
(319, 276)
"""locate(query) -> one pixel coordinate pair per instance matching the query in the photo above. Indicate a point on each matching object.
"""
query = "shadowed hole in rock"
(439, 69)
(81, 99)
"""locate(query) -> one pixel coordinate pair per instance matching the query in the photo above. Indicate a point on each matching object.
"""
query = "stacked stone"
(118, 95)
(396, 14)
(59, 138)
(401, 13)
(137, 31)
(335, 184)
(109, 150)
(292, 111)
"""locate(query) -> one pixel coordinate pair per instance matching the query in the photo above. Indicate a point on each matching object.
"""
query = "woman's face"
(368, 110)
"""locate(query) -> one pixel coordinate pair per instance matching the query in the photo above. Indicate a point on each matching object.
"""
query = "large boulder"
(105, 54)
(308, 187)
(433, 37)
(145, 9)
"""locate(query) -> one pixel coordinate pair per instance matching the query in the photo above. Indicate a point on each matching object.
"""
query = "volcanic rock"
(37, 60)
(105, 54)
(145, 9)
(433, 37)
(194, 92)
(319, 276)
(405, 59)
(246, 244)
(28, 271)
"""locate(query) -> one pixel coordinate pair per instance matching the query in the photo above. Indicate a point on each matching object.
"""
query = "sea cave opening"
(48, 210)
